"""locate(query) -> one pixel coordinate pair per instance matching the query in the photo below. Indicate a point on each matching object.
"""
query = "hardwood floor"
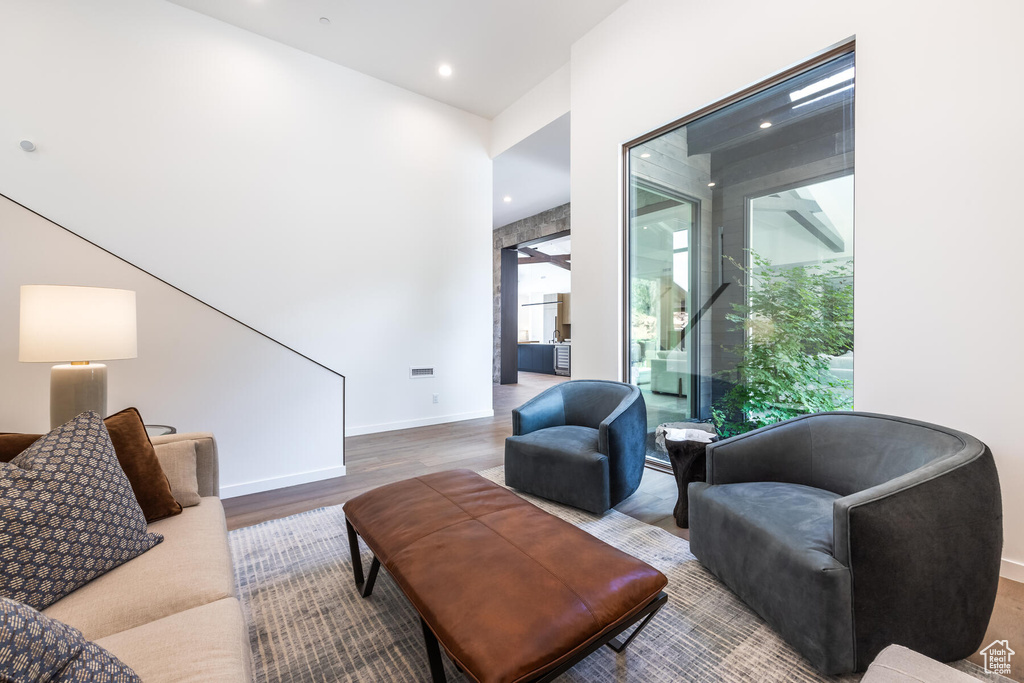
(377, 459)
(1007, 623)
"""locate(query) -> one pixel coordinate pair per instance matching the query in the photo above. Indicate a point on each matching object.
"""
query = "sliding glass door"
(663, 235)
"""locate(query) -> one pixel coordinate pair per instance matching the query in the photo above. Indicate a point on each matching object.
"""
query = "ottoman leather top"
(509, 590)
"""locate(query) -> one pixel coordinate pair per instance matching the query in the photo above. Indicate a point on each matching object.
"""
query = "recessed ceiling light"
(711, 184)
(325, 21)
(445, 70)
(645, 155)
(507, 199)
(766, 124)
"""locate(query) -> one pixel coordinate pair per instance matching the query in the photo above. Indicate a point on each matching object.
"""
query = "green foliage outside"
(797, 318)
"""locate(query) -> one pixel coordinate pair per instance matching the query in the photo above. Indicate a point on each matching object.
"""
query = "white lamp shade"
(60, 323)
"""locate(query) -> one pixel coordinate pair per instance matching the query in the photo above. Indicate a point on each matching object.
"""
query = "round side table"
(688, 465)
(160, 430)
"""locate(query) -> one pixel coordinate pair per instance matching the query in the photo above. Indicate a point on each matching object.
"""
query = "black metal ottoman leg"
(647, 613)
(353, 547)
(372, 579)
(433, 654)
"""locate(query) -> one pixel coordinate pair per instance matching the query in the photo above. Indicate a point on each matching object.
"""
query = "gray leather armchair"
(582, 443)
(848, 532)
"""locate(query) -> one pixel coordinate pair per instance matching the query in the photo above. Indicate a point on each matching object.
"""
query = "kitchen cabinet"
(563, 316)
(537, 358)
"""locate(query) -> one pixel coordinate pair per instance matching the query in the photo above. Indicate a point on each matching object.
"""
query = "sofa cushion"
(68, 514)
(203, 644)
(135, 454)
(34, 647)
(800, 516)
(778, 554)
(897, 664)
(191, 567)
(178, 461)
(562, 464)
(576, 441)
(207, 463)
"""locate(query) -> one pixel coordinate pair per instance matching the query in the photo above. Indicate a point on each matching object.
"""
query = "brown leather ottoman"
(511, 592)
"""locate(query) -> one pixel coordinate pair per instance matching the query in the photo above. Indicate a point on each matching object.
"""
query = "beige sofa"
(897, 664)
(670, 372)
(171, 614)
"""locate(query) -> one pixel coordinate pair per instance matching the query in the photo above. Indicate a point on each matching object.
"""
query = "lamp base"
(75, 389)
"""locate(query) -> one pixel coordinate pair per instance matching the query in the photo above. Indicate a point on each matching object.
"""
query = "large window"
(740, 257)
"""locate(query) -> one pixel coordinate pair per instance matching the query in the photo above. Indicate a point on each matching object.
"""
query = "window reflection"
(740, 258)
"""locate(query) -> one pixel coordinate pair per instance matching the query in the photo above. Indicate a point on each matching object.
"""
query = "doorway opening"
(531, 212)
(543, 305)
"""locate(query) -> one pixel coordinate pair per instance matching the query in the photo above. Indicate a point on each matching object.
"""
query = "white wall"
(344, 216)
(277, 418)
(938, 234)
(545, 102)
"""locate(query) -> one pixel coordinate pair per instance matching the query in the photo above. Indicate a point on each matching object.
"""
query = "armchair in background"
(582, 443)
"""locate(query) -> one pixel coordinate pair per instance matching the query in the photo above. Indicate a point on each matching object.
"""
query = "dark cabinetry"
(537, 358)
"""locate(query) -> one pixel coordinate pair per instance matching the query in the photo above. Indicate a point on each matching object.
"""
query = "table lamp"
(80, 325)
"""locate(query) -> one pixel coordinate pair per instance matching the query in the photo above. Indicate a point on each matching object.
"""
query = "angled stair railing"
(266, 336)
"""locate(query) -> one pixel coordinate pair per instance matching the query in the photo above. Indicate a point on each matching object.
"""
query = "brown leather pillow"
(138, 460)
(135, 454)
(11, 445)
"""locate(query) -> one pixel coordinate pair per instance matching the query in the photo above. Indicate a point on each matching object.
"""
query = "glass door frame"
(694, 287)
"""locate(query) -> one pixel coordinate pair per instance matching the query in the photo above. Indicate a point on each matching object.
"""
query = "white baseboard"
(233, 490)
(245, 488)
(409, 424)
(1012, 570)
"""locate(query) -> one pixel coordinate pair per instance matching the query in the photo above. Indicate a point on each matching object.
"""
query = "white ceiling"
(498, 49)
(543, 278)
(534, 173)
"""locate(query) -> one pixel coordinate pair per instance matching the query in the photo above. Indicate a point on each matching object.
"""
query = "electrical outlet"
(437, 398)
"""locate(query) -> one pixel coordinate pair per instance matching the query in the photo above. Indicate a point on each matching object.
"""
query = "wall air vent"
(416, 373)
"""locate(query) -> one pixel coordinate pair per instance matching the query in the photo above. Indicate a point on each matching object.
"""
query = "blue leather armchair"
(582, 443)
(848, 532)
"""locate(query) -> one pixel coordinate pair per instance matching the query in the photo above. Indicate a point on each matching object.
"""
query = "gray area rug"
(308, 623)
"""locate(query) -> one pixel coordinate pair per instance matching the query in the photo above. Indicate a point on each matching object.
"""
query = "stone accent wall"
(543, 224)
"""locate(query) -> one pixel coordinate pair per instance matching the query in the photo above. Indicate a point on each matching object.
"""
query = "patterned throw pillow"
(135, 453)
(67, 514)
(34, 647)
